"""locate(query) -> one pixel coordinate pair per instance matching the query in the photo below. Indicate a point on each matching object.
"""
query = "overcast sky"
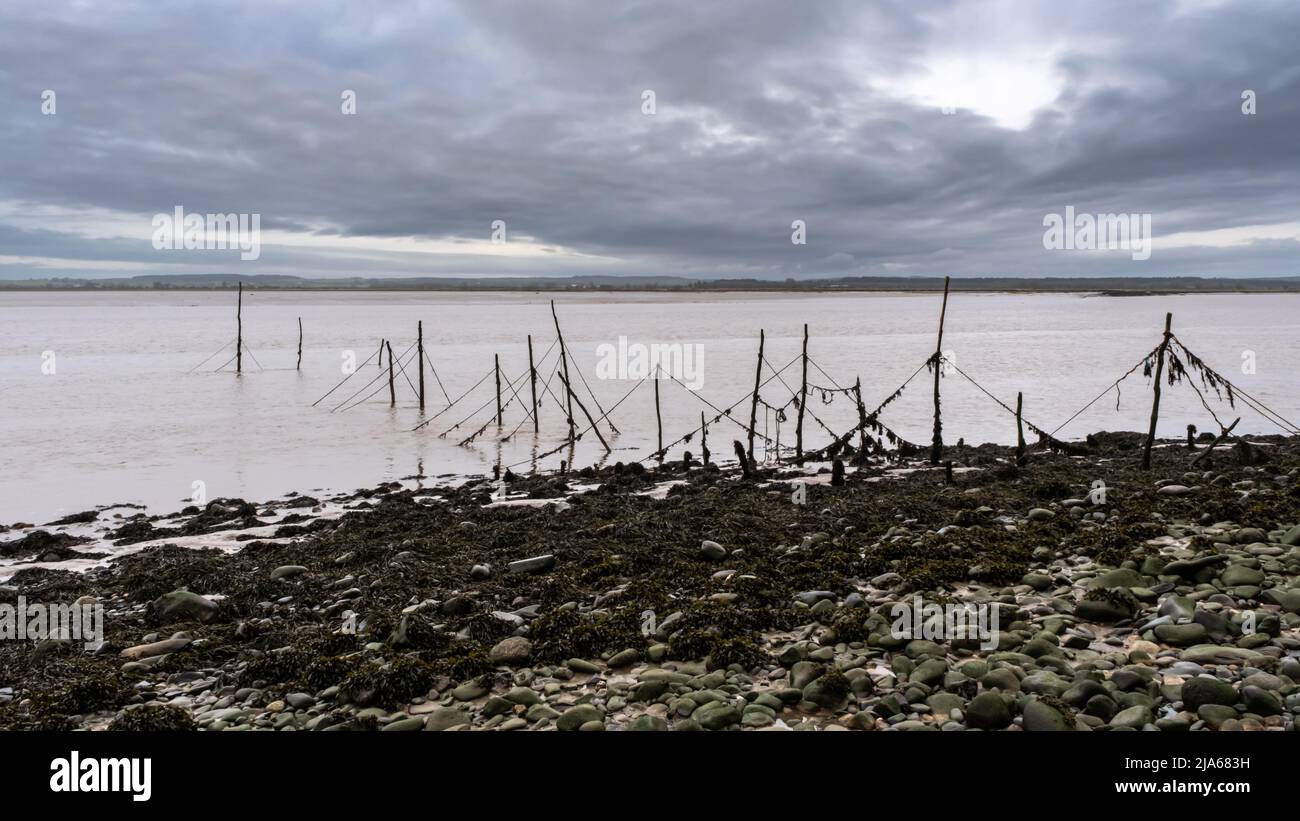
(910, 137)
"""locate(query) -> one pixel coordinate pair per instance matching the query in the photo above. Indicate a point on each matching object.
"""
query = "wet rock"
(182, 605)
(537, 564)
(512, 652)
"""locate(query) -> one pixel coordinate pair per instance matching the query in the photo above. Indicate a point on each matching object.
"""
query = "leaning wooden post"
(803, 400)
(1020, 430)
(704, 440)
(1217, 441)
(936, 445)
(299, 344)
(753, 405)
(419, 347)
(496, 365)
(392, 394)
(1155, 404)
(381, 354)
(532, 381)
(564, 360)
(239, 331)
(659, 420)
(587, 414)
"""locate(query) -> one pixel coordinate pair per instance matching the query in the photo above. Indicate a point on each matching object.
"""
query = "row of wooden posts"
(936, 445)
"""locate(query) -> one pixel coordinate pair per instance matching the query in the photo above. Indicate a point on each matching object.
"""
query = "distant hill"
(1107, 285)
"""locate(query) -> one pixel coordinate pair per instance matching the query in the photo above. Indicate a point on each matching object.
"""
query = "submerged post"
(392, 394)
(532, 381)
(1020, 429)
(419, 346)
(803, 400)
(299, 367)
(1155, 404)
(936, 446)
(496, 366)
(753, 405)
(239, 331)
(659, 420)
(564, 360)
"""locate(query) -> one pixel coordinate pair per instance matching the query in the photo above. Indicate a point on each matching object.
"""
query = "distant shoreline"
(1101, 286)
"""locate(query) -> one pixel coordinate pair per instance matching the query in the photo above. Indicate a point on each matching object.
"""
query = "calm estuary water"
(123, 418)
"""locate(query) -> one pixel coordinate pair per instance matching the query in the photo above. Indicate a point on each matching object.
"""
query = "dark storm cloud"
(767, 112)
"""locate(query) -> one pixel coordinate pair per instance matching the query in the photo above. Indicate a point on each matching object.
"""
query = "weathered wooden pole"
(583, 408)
(936, 445)
(381, 354)
(496, 365)
(1020, 429)
(659, 420)
(564, 359)
(392, 394)
(532, 381)
(803, 400)
(1217, 441)
(239, 331)
(299, 344)
(419, 347)
(704, 439)
(1155, 404)
(753, 405)
(862, 421)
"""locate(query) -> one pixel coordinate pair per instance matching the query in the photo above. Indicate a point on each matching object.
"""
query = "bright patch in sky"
(1006, 89)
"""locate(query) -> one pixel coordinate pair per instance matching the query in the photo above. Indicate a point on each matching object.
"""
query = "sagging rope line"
(407, 354)
(254, 358)
(872, 419)
(1007, 408)
(721, 414)
(589, 391)
(474, 412)
(512, 433)
(358, 391)
(794, 397)
(429, 359)
(588, 429)
(1176, 365)
(467, 393)
(1253, 403)
(343, 380)
(209, 358)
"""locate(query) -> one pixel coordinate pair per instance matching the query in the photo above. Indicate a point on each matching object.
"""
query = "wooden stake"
(239, 331)
(299, 344)
(803, 400)
(392, 394)
(419, 347)
(659, 420)
(862, 421)
(496, 360)
(381, 354)
(564, 359)
(532, 381)
(753, 405)
(704, 439)
(1020, 430)
(936, 445)
(741, 457)
(1155, 404)
(583, 408)
(1217, 441)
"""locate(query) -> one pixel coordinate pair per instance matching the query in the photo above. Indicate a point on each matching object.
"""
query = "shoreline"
(691, 598)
